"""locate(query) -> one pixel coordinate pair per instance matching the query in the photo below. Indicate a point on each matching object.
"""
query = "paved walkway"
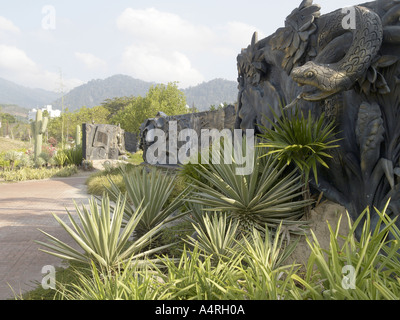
(26, 207)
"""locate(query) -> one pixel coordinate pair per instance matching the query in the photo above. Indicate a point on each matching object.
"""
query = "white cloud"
(161, 45)
(240, 34)
(15, 59)
(8, 26)
(90, 61)
(16, 66)
(149, 63)
(164, 29)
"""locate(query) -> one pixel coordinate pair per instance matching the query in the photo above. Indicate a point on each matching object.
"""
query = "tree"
(168, 99)
(117, 104)
(165, 98)
(97, 114)
(131, 117)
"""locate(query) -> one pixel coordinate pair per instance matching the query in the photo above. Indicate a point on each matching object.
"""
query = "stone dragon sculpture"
(341, 76)
(353, 75)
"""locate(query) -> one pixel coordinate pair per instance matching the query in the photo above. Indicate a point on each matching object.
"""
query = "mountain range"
(28, 98)
(95, 92)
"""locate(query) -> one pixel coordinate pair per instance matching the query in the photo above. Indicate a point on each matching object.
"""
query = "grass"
(98, 182)
(25, 174)
(64, 276)
(136, 158)
(9, 144)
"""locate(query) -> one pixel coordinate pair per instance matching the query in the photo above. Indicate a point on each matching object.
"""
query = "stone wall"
(220, 119)
(102, 141)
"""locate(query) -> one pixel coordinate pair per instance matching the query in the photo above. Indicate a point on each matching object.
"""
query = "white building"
(48, 108)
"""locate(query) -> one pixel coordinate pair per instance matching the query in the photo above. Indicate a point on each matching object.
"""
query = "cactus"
(38, 128)
(78, 139)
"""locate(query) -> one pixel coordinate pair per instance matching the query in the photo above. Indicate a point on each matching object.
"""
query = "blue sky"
(161, 41)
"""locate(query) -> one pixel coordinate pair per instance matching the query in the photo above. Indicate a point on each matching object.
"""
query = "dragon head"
(323, 79)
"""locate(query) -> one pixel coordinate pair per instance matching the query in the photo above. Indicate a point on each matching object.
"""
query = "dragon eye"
(310, 74)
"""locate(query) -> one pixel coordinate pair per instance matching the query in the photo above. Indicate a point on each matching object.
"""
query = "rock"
(102, 142)
(326, 212)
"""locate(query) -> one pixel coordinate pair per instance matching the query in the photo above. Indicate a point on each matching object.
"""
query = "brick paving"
(26, 207)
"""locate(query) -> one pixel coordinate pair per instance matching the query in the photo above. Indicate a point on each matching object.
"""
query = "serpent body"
(341, 76)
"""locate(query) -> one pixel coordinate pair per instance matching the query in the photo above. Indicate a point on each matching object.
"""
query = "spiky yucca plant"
(301, 140)
(266, 196)
(101, 237)
(216, 237)
(152, 189)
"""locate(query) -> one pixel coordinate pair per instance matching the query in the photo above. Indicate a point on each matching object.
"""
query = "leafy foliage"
(165, 98)
(101, 236)
(73, 156)
(266, 196)
(28, 173)
(12, 156)
(216, 237)
(375, 261)
(71, 120)
(154, 190)
(301, 140)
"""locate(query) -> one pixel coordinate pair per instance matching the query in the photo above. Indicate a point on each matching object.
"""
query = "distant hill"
(14, 110)
(28, 98)
(95, 92)
(210, 93)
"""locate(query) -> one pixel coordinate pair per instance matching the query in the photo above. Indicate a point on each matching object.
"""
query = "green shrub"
(28, 173)
(12, 157)
(60, 158)
(101, 237)
(266, 196)
(153, 189)
(136, 158)
(3, 163)
(302, 140)
(99, 182)
(357, 270)
(128, 283)
(40, 162)
(258, 271)
(74, 156)
(46, 157)
(216, 237)
(190, 171)
(66, 171)
(25, 161)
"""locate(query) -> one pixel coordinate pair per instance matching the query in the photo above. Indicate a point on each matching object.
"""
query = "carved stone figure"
(102, 142)
(346, 64)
